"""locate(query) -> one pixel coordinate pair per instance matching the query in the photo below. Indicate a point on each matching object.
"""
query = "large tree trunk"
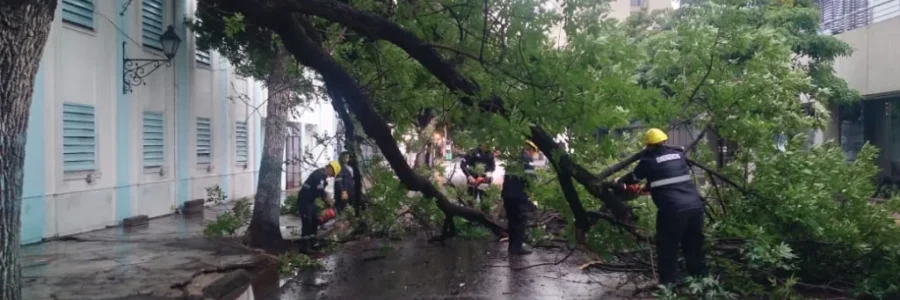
(425, 124)
(376, 27)
(294, 33)
(352, 146)
(24, 27)
(265, 227)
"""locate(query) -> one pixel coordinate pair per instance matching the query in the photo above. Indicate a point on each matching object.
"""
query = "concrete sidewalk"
(168, 258)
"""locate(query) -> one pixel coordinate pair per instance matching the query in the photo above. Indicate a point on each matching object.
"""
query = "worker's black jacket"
(343, 181)
(516, 185)
(313, 187)
(669, 178)
(476, 156)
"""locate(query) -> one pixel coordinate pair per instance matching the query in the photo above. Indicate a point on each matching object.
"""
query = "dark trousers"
(684, 228)
(475, 193)
(517, 217)
(309, 218)
(339, 204)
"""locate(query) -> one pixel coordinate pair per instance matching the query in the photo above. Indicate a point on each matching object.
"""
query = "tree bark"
(24, 28)
(290, 27)
(425, 130)
(352, 146)
(265, 227)
(377, 27)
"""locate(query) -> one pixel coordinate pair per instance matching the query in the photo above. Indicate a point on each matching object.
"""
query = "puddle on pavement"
(413, 269)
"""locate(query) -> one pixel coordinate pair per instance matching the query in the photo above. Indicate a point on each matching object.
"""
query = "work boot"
(521, 250)
(303, 246)
(314, 245)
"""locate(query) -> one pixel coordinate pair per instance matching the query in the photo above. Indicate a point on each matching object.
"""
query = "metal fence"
(840, 16)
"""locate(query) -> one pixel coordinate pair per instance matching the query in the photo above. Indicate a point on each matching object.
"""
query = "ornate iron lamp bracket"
(134, 70)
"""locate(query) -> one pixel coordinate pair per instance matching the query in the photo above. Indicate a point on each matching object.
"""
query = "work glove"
(470, 179)
(344, 196)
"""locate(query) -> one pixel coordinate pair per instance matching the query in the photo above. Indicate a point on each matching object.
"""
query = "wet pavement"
(129, 263)
(169, 259)
(413, 269)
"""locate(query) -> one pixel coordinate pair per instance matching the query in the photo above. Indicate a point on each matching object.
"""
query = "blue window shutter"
(78, 12)
(202, 57)
(152, 23)
(204, 141)
(241, 141)
(79, 138)
(154, 139)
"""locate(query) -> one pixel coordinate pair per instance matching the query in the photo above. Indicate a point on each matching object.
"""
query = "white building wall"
(315, 117)
(84, 66)
(618, 9)
(881, 10)
(872, 69)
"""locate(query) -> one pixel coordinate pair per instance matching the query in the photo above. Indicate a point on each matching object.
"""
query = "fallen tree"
(747, 52)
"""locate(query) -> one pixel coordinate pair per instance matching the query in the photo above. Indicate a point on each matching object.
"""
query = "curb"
(233, 282)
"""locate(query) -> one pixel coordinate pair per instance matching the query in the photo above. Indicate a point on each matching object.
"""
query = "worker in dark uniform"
(343, 183)
(679, 217)
(516, 201)
(312, 189)
(481, 155)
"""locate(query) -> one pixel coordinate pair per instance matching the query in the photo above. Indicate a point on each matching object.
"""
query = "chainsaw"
(478, 181)
(327, 215)
(627, 192)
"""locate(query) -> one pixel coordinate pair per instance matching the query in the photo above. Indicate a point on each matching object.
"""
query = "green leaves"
(740, 69)
(234, 25)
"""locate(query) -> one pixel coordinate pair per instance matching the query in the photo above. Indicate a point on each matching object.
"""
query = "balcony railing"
(878, 10)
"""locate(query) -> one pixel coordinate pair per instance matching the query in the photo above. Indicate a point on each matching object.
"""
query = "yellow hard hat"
(655, 136)
(531, 144)
(336, 166)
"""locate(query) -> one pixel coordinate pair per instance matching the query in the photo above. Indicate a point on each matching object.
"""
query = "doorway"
(293, 166)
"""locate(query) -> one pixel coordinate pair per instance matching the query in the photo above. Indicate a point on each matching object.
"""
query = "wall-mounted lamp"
(134, 70)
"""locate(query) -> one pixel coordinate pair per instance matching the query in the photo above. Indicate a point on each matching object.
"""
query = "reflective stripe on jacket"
(343, 181)
(669, 178)
(313, 187)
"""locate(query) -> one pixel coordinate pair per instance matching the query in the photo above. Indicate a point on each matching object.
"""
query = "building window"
(79, 138)
(241, 141)
(79, 13)
(202, 57)
(635, 2)
(204, 141)
(842, 15)
(154, 140)
(152, 23)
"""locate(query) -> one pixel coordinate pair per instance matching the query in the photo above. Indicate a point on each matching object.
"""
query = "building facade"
(97, 154)
(618, 9)
(872, 69)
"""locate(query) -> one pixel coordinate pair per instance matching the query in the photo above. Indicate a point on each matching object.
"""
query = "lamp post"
(134, 70)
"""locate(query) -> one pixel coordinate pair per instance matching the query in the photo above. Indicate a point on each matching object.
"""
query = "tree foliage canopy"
(738, 69)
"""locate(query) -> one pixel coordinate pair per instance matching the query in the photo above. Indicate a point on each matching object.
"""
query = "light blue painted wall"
(123, 125)
(182, 111)
(225, 148)
(33, 189)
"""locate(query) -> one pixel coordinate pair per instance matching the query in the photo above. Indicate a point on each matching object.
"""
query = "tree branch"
(377, 27)
(297, 41)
